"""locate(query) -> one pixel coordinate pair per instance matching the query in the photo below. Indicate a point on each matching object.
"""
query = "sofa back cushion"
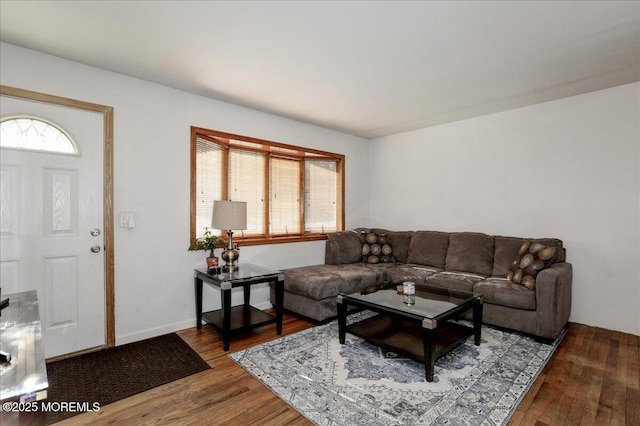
(342, 248)
(506, 250)
(399, 241)
(428, 248)
(470, 252)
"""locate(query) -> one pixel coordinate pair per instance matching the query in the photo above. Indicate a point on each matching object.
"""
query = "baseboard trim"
(169, 328)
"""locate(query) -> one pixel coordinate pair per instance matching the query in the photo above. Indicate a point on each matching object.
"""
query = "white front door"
(52, 237)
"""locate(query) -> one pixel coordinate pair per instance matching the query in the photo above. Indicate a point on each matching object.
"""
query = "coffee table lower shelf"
(408, 338)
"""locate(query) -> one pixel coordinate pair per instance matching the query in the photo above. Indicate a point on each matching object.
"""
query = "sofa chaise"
(525, 283)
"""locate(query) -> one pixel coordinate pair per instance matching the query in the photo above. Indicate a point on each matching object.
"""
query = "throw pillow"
(531, 259)
(376, 248)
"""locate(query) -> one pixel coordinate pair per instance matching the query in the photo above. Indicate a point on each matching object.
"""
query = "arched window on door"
(35, 134)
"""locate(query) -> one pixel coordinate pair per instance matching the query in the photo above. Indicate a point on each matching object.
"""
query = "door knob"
(95, 232)
(95, 249)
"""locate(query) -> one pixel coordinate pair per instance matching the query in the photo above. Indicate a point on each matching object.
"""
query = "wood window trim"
(225, 138)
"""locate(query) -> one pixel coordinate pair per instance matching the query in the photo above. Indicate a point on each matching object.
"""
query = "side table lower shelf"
(242, 317)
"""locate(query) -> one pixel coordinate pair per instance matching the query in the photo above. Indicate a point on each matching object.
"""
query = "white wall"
(567, 169)
(153, 269)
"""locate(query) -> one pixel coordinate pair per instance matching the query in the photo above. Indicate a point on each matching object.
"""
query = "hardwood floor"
(592, 379)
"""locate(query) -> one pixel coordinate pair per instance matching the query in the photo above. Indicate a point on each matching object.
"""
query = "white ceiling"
(367, 68)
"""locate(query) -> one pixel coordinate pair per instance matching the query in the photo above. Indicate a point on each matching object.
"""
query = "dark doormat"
(112, 374)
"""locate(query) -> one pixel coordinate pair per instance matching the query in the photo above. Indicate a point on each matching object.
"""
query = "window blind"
(320, 193)
(208, 181)
(247, 183)
(285, 196)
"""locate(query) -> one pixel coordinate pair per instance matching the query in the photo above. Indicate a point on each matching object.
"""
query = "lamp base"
(231, 257)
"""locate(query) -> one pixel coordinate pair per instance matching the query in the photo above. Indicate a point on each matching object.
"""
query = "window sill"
(254, 241)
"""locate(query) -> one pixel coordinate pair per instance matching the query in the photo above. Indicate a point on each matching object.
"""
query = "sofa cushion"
(345, 247)
(400, 272)
(321, 281)
(507, 247)
(376, 248)
(470, 252)
(501, 291)
(532, 258)
(428, 248)
(454, 280)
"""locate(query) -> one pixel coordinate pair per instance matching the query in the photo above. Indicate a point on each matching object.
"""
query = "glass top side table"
(229, 319)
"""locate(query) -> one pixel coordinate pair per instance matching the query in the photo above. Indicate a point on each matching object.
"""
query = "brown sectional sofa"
(457, 260)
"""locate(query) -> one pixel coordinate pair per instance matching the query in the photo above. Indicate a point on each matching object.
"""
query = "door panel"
(49, 203)
(10, 275)
(61, 286)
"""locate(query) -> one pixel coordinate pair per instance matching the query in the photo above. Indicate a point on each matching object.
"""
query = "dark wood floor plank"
(592, 378)
(614, 389)
(580, 377)
(596, 362)
(565, 368)
(632, 403)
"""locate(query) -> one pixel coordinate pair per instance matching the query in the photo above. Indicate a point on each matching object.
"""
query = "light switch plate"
(127, 220)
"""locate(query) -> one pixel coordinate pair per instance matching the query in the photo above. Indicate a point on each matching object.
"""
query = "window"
(35, 134)
(292, 193)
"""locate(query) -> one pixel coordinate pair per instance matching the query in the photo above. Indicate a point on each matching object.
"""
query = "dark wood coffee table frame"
(418, 337)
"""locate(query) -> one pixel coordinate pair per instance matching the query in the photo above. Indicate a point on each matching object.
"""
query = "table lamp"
(229, 215)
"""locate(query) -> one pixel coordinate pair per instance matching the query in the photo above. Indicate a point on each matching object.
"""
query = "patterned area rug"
(359, 384)
(112, 374)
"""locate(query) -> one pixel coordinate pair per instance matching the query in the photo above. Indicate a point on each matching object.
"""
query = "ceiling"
(366, 68)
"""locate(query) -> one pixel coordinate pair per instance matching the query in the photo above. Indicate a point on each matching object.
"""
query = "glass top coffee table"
(423, 331)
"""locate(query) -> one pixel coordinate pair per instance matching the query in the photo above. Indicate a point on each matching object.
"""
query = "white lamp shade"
(229, 215)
